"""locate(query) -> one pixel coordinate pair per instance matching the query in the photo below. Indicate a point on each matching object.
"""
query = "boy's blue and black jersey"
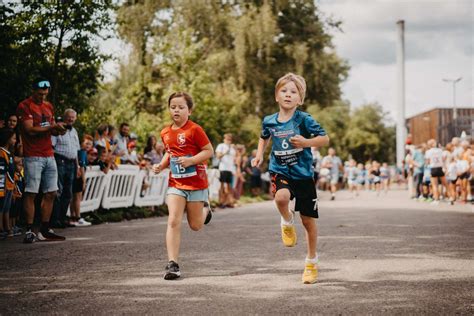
(294, 163)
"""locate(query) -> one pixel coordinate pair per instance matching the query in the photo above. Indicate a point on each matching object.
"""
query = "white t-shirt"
(457, 151)
(462, 166)
(335, 162)
(227, 162)
(435, 155)
(447, 156)
(452, 173)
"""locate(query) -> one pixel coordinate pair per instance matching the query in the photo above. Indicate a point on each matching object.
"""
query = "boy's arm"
(262, 145)
(299, 141)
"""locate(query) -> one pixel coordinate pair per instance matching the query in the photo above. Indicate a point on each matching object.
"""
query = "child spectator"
(17, 203)
(7, 179)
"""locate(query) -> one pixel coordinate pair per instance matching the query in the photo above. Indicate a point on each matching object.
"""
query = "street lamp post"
(455, 112)
(454, 81)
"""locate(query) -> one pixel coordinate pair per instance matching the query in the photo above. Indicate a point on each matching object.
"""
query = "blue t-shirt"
(294, 163)
(82, 157)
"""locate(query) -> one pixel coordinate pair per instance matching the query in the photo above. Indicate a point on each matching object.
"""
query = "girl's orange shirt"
(186, 141)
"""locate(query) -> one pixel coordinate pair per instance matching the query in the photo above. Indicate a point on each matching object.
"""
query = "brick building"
(438, 124)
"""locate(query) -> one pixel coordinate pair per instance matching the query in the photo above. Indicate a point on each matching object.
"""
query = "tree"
(335, 120)
(228, 55)
(54, 40)
(368, 137)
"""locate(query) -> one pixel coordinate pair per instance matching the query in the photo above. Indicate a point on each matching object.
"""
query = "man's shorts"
(334, 178)
(437, 172)
(225, 176)
(41, 173)
(304, 191)
(190, 195)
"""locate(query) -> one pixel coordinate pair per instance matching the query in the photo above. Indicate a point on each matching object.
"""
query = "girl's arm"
(262, 145)
(165, 161)
(206, 153)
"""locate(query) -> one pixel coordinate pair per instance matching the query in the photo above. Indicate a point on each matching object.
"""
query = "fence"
(128, 185)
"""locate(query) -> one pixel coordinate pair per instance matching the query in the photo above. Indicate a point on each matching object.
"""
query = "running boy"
(293, 133)
(187, 149)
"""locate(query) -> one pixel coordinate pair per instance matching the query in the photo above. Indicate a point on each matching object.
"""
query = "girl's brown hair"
(187, 98)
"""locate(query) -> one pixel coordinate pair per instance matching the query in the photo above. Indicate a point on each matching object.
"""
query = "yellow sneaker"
(310, 274)
(288, 235)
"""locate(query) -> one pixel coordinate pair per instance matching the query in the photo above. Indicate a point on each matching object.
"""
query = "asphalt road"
(383, 254)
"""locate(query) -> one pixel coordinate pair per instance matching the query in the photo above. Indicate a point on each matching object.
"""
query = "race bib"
(178, 171)
(284, 152)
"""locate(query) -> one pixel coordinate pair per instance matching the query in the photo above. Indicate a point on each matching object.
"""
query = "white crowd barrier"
(95, 183)
(119, 191)
(156, 192)
(123, 187)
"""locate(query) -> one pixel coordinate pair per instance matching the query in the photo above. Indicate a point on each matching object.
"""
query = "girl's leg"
(434, 186)
(176, 205)
(452, 191)
(282, 198)
(311, 230)
(463, 190)
(195, 215)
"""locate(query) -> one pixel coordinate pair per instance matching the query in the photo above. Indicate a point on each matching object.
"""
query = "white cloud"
(439, 39)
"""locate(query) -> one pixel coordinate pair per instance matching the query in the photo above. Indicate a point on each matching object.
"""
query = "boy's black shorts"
(304, 191)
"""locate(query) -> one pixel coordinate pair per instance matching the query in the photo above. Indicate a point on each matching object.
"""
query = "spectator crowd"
(43, 164)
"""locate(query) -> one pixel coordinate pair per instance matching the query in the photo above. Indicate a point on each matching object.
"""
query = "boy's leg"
(307, 205)
(176, 205)
(282, 198)
(311, 230)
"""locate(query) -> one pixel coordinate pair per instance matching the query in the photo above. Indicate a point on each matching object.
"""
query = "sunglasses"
(44, 84)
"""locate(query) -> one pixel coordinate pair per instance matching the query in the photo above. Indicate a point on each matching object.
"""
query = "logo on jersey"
(181, 138)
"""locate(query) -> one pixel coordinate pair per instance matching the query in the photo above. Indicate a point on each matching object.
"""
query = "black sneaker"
(49, 235)
(172, 271)
(209, 213)
(30, 237)
(333, 197)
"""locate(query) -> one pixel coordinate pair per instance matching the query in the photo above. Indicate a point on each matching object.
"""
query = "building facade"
(439, 124)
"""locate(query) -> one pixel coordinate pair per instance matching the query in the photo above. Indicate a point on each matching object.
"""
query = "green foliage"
(368, 137)
(53, 40)
(334, 120)
(362, 133)
(227, 55)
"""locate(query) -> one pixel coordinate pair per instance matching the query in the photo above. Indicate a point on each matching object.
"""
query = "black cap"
(41, 83)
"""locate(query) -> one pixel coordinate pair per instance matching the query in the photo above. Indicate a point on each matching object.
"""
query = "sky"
(439, 37)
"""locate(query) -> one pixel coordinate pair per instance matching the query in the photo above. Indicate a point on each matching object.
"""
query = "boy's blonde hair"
(298, 80)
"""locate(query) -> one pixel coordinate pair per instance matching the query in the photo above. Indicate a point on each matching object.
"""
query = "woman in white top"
(434, 157)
